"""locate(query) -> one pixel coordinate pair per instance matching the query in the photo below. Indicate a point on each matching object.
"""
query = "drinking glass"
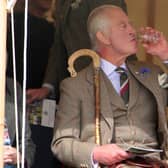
(148, 35)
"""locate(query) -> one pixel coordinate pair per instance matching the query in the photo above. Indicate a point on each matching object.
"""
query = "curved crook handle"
(79, 53)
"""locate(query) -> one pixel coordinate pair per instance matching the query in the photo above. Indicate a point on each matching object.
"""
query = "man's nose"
(132, 29)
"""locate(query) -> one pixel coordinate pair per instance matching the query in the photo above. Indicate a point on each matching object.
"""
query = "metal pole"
(3, 29)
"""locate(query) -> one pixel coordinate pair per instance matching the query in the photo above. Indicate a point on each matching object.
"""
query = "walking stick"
(96, 65)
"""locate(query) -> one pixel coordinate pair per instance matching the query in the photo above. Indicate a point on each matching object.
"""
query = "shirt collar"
(108, 67)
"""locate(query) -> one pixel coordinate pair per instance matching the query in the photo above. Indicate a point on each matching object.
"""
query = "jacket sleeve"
(67, 143)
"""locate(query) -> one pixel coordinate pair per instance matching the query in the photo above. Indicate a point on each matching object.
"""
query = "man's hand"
(10, 155)
(158, 48)
(109, 154)
(37, 94)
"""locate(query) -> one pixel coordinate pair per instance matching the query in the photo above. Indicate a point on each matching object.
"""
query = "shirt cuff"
(94, 164)
(165, 62)
(49, 86)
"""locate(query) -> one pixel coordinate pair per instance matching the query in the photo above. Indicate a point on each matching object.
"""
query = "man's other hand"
(36, 94)
(109, 154)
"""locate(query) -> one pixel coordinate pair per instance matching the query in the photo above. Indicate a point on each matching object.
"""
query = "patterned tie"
(124, 84)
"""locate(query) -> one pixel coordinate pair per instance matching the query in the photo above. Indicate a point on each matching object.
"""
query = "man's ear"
(103, 38)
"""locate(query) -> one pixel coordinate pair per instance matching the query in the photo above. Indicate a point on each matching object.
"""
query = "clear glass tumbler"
(148, 35)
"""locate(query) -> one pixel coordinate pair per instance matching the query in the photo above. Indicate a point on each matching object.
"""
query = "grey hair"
(98, 20)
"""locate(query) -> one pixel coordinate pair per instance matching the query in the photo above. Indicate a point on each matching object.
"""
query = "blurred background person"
(10, 152)
(40, 39)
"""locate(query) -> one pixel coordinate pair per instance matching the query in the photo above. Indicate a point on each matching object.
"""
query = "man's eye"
(123, 26)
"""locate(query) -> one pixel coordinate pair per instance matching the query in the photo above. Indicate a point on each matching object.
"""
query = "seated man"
(133, 104)
(10, 152)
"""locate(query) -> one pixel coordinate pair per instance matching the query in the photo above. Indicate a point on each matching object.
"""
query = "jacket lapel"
(105, 107)
(150, 81)
(133, 91)
(114, 97)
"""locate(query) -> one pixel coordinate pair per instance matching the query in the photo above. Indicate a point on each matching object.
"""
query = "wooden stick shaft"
(97, 105)
(3, 29)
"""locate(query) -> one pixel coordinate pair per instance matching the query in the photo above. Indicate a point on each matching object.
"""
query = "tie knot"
(120, 70)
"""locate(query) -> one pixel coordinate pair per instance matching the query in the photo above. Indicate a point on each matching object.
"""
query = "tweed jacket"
(10, 120)
(74, 134)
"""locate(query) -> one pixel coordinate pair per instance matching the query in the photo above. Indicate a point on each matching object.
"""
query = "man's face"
(122, 35)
